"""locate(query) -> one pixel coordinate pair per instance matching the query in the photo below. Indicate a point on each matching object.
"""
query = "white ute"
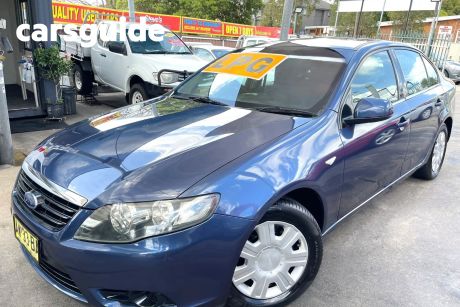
(141, 70)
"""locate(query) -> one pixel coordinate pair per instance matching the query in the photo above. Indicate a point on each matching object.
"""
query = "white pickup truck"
(141, 70)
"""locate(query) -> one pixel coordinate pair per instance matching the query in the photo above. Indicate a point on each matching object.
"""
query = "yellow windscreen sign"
(250, 65)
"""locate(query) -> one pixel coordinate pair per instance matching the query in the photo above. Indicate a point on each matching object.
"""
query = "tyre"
(446, 73)
(82, 80)
(280, 259)
(431, 169)
(137, 94)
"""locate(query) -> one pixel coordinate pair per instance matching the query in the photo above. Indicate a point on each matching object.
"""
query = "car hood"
(152, 150)
(188, 62)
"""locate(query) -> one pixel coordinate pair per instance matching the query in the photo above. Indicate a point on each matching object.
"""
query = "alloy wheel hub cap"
(438, 152)
(272, 260)
(78, 82)
(137, 97)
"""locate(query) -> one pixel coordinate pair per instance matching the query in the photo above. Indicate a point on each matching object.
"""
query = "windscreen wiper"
(200, 99)
(286, 111)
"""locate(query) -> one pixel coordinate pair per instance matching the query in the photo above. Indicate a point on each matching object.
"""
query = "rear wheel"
(137, 94)
(82, 80)
(280, 259)
(432, 168)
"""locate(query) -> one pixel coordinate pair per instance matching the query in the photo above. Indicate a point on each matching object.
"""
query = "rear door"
(425, 99)
(373, 152)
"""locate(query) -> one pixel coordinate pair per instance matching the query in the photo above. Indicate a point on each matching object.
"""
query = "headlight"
(167, 77)
(121, 223)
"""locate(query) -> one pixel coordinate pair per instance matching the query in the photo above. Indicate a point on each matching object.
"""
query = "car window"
(220, 52)
(203, 54)
(375, 78)
(414, 70)
(432, 74)
(298, 82)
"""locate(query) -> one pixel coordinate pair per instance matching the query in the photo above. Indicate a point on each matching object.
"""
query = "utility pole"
(286, 20)
(381, 17)
(406, 24)
(434, 23)
(132, 14)
(6, 143)
(358, 20)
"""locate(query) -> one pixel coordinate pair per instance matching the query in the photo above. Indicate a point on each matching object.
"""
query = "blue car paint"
(254, 160)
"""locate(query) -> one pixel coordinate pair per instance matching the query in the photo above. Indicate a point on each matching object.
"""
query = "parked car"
(209, 52)
(246, 41)
(221, 190)
(141, 70)
(452, 70)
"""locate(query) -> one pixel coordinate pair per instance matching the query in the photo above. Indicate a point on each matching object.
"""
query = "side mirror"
(370, 110)
(117, 47)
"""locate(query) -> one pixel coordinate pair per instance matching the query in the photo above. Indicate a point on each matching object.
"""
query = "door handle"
(103, 55)
(438, 103)
(403, 123)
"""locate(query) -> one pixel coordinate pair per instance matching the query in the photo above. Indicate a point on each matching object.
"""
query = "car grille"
(58, 276)
(54, 213)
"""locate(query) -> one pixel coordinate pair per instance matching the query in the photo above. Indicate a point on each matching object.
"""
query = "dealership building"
(26, 94)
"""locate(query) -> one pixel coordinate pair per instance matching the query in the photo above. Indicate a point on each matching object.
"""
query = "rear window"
(304, 80)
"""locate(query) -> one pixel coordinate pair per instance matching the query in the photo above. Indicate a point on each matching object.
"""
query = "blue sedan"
(220, 191)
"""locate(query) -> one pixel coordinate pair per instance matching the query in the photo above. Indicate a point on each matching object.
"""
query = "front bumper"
(193, 267)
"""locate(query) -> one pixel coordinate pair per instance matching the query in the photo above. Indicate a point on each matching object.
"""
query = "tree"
(238, 11)
(346, 22)
(415, 23)
(450, 7)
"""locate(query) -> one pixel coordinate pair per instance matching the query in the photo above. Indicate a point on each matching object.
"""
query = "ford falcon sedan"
(220, 192)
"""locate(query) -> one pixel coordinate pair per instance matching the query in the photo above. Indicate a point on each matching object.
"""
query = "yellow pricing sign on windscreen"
(250, 65)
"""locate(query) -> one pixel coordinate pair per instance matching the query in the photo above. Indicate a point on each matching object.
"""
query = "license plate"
(26, 238)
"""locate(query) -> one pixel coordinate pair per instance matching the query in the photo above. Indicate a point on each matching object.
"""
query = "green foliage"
(240, 11)
(450, 7)
(369, 21)
(50, 64)
(415, 23)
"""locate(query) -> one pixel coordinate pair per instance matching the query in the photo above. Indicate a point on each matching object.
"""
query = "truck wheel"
(137, 94)
(82, 80)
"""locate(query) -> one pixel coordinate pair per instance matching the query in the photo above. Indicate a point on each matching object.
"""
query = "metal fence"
(437, 50)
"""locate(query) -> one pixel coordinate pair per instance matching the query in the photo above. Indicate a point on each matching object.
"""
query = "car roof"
(345, 46)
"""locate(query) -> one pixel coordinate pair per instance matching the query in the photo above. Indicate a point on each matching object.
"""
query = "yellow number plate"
(26, 238)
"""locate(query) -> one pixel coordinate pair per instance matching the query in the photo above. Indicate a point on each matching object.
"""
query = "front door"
(373, 152)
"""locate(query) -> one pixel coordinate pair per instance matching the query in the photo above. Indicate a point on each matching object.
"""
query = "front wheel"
(137, 94)
(431, 169)
(280, 259)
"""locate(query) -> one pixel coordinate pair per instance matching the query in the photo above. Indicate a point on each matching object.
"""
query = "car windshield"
(170, 44)
(297, 78)
(220, 52)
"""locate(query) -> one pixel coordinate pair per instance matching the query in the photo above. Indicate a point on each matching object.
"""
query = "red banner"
(72, 13)
(75, 14)
(269, 31)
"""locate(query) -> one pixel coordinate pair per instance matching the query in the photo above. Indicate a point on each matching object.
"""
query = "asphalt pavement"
(402, 249)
